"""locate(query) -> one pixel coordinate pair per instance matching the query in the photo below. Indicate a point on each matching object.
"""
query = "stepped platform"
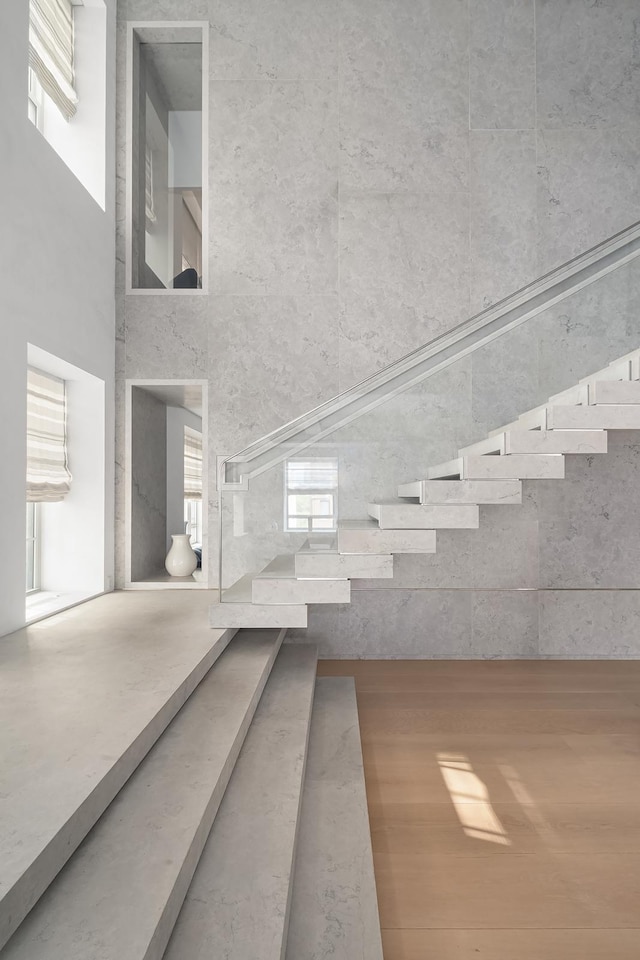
(85, 695)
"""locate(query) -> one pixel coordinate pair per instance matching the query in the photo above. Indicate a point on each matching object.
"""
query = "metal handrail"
(431, 357)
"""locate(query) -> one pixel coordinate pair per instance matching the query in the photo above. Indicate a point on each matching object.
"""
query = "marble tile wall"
(149, 484)
(379, 170)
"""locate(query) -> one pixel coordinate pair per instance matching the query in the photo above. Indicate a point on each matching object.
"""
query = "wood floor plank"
(511, 944)
(503, 806)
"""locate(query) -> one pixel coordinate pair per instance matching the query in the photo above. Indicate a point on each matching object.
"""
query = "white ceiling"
(187, 395)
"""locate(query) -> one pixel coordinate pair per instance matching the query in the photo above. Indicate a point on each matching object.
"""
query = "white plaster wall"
(57, 257)
(377, 172)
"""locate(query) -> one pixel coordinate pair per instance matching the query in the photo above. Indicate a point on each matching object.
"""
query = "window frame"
(33, 568)
(311, 492)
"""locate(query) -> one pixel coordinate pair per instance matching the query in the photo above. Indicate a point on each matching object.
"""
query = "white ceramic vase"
(181, 560)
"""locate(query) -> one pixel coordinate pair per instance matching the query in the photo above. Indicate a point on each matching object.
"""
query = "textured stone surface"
(334, 910)
(238, 903)
(148, 484)
(79, 717)
(502, 68)
(125, 885)
(378, 171)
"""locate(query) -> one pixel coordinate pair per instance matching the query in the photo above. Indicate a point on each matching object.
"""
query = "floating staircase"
(191, 850)
(491, 471)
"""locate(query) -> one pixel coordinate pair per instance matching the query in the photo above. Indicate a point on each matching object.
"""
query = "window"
(33, 547)
(311, 495)
(193, 520)
(36, 111)
(193, 484)
(48, 475)
(51, 54)
(67, 84)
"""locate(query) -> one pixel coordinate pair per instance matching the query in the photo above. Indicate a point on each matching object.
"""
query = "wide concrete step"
(540, 441)
(395, 514)
(85, 696)
(463, 491)
(603, 417)
(237, 904)
(614, 391)
(366, 566)
(334, 909)
(366, 536)
(120, 894)
(237, 610)
(517, 466)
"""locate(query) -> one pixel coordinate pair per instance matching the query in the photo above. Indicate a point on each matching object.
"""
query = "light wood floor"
(504, 799)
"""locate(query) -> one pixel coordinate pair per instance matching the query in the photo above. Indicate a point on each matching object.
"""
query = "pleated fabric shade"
(192, 464)
(48, 474)
(51, 51)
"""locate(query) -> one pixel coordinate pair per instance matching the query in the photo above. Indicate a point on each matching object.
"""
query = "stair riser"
(615, 391)
(556, 441)
(386, 541)
(272, 590)
(324, 565)
(405, 516)
(606, 417)
(248, 615)
(463, 491)
(618, 370)
(521, 467)
(574, 395)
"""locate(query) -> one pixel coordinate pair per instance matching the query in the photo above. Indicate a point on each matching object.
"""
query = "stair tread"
(282, 566)
(125, 884)
(148, 651)
(236, 905)
(333, 858)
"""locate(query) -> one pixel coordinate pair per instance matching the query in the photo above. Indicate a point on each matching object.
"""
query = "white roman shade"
(51, 51)
(48, 476)
(192, 464)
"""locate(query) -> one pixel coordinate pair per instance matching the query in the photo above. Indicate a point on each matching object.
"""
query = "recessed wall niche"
(166, 478)
(167, 143)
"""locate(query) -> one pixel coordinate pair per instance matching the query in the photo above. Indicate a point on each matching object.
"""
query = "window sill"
(44, 603)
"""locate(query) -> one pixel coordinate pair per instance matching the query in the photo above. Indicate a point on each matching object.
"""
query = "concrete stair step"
(120, 894)
(237, 610)
(365, 566)
(541, 441)
(614, 391)
(516, 466)
(394, 514)
(620, 369)
(463, 491)
(602, 417)
(237, 904)
(576, 394)
(79, 717)
(334, 910)
(366, 536)
(535, 419)
(278, 583)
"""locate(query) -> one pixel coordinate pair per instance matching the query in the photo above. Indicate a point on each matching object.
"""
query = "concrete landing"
(84, 696)
(334, 908)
